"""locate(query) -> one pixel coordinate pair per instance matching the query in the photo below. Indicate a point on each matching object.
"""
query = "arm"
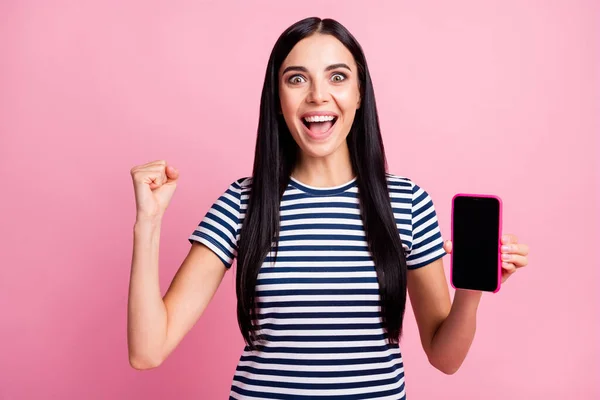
(155, 325)
(446, 329)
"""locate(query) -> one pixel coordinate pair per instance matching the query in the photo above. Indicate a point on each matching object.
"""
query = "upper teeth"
(319, 118)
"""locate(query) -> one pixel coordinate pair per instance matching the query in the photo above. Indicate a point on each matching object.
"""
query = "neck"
(332, 170)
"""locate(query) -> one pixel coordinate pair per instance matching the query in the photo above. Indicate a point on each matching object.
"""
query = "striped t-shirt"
(319, 303)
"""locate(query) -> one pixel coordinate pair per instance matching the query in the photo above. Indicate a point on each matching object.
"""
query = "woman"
(328, 243)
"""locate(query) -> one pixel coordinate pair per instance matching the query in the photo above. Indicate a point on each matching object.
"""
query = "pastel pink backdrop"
(494, 97)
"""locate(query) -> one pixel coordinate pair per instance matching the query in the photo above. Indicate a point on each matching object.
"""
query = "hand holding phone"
(476, 239)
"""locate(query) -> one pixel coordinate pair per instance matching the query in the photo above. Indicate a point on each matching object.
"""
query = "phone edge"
(500, 207)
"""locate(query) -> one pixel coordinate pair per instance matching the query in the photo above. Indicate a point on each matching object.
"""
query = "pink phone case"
(499, 235)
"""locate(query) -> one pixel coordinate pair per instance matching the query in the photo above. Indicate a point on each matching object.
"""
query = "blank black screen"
(476, 243)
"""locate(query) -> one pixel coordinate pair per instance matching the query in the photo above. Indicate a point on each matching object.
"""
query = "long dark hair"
(274, 160)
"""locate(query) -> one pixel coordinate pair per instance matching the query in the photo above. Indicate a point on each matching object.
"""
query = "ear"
(358, 103)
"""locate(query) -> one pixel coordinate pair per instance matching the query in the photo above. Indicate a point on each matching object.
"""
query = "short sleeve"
(427, 243)
(219, 229)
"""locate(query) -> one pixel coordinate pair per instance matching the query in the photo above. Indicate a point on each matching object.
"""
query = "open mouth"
(319, 125)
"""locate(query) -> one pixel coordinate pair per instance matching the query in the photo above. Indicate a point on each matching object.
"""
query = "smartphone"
(476, 262)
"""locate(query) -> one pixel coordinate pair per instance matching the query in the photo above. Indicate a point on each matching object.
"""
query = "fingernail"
(505, 247)
(506, 256)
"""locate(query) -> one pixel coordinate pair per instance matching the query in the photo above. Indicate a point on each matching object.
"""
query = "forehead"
(317, 52)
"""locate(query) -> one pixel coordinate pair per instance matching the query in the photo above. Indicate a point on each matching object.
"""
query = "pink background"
(494, 97)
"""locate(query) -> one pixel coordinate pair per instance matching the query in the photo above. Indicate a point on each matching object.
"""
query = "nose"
(318, 93)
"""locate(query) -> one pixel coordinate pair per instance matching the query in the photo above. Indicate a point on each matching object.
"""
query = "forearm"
(146, 312)
(452, 340)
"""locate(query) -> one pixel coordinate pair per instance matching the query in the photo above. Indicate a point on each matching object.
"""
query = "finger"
(154, 163)
(157, 180)
(518, 260)
(157, 162)
(518, 248)
(508, 267)
(521, 249)
(509, 238)
(448, 246)
(507, 274)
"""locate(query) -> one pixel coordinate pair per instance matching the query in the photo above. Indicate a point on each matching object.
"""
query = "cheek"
(289, 110)
(289, 104)
(347, 99)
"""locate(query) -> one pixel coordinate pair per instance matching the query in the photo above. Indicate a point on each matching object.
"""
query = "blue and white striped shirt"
(319, 304)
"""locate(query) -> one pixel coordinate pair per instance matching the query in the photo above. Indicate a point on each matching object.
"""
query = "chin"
(316, 149)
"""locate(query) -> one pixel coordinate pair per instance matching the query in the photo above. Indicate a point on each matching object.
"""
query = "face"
(319, 93)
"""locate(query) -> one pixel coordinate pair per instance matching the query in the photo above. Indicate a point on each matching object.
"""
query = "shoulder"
(234, 194)
(240, 185)
(240, 188)
(408, 189)
(400, 183)
(397, 180)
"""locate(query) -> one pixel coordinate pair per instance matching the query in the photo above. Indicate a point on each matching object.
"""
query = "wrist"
(468, 297)
(145, 222)
(469, 292)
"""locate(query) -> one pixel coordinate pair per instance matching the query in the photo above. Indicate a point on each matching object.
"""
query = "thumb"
(448, 246)
(172, 173)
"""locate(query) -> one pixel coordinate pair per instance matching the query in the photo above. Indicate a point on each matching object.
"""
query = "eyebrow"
(303, 69)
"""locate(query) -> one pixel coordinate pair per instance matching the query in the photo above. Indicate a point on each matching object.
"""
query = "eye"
(338, 77)
(296, 79)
